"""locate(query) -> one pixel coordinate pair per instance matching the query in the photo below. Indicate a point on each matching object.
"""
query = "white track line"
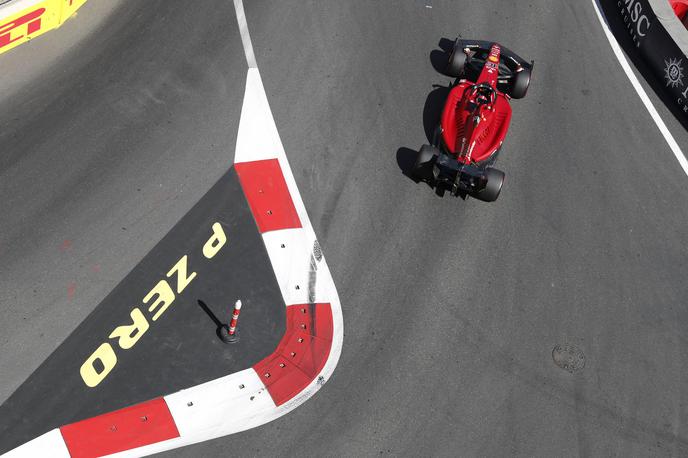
(245, 37)
(680, 156)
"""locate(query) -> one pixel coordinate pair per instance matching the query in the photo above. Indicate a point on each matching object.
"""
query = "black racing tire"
(495, 180)
(456, 64)
(425, 163)
(520, 85)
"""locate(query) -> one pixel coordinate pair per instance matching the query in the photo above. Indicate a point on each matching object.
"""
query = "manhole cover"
(568, 357)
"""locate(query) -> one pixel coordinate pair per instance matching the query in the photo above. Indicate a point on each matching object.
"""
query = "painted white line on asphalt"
(680, 156)
(245, 37)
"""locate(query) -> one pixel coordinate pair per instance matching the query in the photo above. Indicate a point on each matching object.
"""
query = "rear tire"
(425, 163)
(456, 64)
(495, 180)
(519, 88)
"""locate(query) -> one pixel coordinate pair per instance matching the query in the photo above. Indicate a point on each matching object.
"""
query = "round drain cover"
(568, 357)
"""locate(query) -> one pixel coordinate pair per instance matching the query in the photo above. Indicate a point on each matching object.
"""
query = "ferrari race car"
(474, 120)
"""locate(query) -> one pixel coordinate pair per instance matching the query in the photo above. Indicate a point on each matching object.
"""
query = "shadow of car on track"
(434, 103)
(406, 157)
(440, 57)
(432, 112)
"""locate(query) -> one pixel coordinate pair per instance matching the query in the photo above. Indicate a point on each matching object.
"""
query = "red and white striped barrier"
(304, 359)
(229, 334)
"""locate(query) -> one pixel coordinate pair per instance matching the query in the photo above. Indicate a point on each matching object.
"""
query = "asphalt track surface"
(451, 308)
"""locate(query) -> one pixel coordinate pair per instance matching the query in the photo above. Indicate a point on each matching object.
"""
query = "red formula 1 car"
(475, 120)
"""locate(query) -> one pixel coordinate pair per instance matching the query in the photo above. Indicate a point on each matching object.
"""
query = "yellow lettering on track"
(158, 300)
(129, 334)
(107, 357)
(180, 268)
(215, 242)
(164, 299)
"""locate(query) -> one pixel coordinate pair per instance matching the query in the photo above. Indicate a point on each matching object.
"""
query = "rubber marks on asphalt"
(135, 426)
(301, 354)
(267, 195)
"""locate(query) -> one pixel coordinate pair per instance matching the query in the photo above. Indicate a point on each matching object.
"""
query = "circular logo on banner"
(493, 58)
(673, 72)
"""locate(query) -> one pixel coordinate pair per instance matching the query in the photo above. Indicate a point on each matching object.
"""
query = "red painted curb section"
(267, 194)
(124, 429)
(301, 354)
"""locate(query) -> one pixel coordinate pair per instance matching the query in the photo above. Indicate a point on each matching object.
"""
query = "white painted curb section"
(49, 444)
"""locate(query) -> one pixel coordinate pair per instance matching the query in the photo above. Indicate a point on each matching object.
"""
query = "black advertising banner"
(659, 51)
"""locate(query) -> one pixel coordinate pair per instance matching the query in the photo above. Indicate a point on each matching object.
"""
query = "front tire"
(456, 64)
(493, 187)
(425, 163)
